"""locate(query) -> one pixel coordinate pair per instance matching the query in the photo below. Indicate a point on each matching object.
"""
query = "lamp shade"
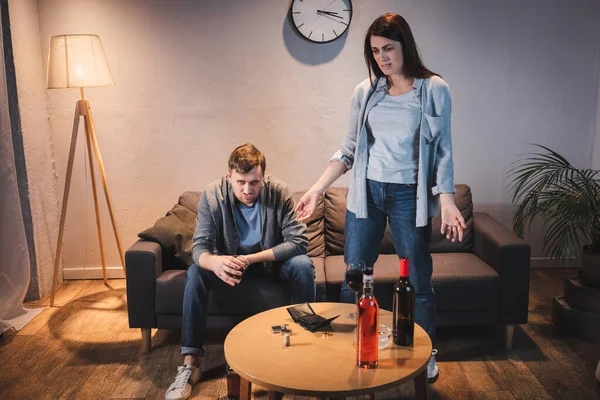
(76, 61)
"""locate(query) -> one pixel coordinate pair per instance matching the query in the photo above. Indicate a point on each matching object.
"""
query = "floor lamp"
(78, 61)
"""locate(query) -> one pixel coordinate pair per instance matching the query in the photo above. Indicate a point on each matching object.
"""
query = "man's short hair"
(245, 158)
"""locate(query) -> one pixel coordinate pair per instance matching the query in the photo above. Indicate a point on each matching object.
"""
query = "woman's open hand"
(453, 223)
(306, 205)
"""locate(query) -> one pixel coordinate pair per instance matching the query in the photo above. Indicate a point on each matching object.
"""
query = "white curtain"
(14, 254)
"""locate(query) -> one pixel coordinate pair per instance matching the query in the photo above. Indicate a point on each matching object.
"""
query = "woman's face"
(388, 55)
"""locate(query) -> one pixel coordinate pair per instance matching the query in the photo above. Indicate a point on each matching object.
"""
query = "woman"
(399, 153)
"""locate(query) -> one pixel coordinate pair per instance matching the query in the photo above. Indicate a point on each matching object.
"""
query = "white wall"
(596, 156)
(38, 141)
(196, 78)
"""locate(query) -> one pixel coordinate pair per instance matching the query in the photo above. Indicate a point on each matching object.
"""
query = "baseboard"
(93, 273)
(545, 262)
(116, 272)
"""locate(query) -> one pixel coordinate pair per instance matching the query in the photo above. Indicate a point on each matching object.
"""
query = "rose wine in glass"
(354, 280)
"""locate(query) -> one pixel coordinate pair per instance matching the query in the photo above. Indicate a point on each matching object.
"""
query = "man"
(249, 215)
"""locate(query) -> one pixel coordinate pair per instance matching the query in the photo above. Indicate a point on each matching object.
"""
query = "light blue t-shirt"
(393, 142)
(248, 226)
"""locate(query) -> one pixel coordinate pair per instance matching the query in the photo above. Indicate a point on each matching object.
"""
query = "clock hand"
(328, 5)
(340, 21)
(329, 14)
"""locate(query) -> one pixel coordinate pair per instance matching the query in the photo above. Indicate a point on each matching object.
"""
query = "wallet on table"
(305, 316)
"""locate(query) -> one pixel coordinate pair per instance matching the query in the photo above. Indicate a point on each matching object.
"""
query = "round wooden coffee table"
(316, 365)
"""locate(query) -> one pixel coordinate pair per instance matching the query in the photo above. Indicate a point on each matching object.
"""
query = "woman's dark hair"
(394, 27)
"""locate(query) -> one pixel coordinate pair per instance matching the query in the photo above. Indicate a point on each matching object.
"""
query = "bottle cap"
(404, 267)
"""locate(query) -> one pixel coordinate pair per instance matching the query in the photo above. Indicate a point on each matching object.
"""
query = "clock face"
(321, 21)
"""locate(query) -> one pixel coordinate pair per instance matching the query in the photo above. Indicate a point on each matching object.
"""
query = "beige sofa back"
(326, 226)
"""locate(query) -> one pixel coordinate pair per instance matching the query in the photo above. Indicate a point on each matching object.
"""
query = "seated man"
(246, 220)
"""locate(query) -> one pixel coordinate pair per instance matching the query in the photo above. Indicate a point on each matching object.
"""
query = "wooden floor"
(83, 349)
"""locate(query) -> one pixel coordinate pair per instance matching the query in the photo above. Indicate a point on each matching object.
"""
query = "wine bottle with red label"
(403, 307)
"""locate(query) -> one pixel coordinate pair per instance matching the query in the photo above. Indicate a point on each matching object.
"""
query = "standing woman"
(399, 152)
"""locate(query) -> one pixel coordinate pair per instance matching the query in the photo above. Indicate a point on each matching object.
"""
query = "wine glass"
(354, 280)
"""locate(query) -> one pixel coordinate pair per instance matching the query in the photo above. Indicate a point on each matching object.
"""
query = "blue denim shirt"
(435, 170)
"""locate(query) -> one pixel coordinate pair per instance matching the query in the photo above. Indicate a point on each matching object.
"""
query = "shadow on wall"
(306, 51)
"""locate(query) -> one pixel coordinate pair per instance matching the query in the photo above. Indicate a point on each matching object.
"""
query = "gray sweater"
(216, 231)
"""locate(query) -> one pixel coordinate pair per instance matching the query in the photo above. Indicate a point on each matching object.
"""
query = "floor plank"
(139, 375)
(513, 375)
(500, 395)
(557, 367)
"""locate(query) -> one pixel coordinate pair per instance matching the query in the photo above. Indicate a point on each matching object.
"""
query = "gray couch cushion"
(335, 216)
(314, 228)
(169, 292)
(462, 281)
(250, 297)
(170, 285)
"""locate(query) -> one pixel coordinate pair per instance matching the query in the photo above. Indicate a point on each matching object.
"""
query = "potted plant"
(544, 184)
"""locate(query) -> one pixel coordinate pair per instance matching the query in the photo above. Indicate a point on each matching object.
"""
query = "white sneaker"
(187, 376)
(433, 372)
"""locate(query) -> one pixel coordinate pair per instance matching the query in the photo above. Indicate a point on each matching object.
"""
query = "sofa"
(482, 280)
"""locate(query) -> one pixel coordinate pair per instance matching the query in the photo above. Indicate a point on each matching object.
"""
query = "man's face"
(246, 187)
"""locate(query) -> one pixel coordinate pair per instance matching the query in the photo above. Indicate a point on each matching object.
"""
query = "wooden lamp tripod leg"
(93, 175)
(92, 132)
(65, 201)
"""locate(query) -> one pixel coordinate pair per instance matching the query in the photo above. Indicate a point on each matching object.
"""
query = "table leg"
(421, 385)
(245, 389)
(275, 395)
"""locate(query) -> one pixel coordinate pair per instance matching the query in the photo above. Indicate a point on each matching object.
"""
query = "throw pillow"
(174, 233)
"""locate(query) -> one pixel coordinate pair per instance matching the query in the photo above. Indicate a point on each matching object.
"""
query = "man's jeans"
(298, 270)
(398, 203)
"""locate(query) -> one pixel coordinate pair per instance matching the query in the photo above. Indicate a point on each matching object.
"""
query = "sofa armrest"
(510, 256)
(144, 266)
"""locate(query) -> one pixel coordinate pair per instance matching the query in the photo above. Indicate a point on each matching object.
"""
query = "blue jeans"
(199, 282)
(396, 203)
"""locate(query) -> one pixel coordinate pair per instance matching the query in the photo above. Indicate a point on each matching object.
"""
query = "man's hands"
(227, 268)
(231, 268)
(306, 205)
(453, 222)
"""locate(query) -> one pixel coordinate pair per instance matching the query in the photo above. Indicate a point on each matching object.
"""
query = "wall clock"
(321, 21)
